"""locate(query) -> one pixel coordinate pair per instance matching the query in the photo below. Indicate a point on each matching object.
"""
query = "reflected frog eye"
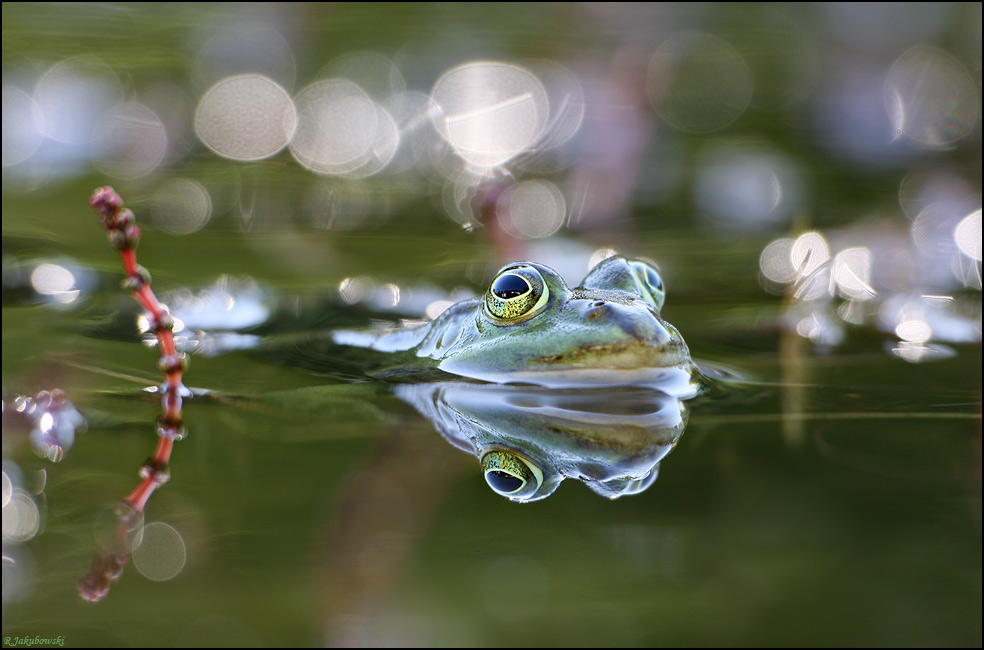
(516, 294)
(649, 282)
(511, 475)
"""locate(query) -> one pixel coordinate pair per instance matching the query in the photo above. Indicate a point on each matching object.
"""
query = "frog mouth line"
(636, 354)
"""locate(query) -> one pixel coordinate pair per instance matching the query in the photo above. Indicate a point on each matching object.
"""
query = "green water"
(829, 495)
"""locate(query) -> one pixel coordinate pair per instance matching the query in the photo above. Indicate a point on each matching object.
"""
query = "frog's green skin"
(530, 438)
(607, 331)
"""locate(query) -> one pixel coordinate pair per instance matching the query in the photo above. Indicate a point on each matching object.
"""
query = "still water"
(809, 189)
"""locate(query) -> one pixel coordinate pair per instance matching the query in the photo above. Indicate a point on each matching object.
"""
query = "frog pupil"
(502, 482)
(654, 280)
(510, 286)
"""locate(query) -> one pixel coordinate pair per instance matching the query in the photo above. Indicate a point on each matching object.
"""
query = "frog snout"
(637, 319)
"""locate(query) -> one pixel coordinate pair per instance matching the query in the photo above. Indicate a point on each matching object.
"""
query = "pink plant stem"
(124, 234)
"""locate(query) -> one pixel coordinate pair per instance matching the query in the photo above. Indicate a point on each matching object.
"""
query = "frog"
(531, 328)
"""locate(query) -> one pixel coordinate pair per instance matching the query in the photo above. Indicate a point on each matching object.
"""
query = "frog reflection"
(529, 439)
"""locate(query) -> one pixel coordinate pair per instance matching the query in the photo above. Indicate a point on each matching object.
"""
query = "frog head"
(531, 327)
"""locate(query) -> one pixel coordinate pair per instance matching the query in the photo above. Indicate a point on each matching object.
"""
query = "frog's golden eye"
(649, 283)
(511, 475)
(518, 293)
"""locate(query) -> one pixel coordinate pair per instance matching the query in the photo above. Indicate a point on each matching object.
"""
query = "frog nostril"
(596, 309)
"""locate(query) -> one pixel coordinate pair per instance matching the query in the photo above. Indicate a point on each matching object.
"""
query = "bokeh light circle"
(776, 262)
(336, 127)
(852, 273)
(967, 234)
(531, 209)
(930, 97)
(181, 206)
(23, 126)
(490, 111)
(21, 517)
(384, 146)
(246, 117)
(162, 553)
(810, 255)
(698, 83)
(74, 94)
(746, 188)
(130, 141)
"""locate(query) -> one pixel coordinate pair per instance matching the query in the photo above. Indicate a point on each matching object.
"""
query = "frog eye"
(649, 283)
(516, 294)
(511, 475)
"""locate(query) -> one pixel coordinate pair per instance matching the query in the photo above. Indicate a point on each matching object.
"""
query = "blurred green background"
(808, 178)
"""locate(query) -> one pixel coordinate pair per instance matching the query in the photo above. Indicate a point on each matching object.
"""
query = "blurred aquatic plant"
(114, 553)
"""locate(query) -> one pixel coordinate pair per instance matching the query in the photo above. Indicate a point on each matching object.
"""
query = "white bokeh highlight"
(931, 98)
(130, 141)
(491, 112)
(246, 117)
(336, 129)
(531, 209)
